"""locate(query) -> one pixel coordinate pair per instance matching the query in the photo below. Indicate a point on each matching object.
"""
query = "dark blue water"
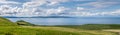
(69, 21)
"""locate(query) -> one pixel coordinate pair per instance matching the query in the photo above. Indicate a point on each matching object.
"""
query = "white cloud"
(111, 13)
(8, 2)
(55, 2)
(5, 8)
(34, 3)
(80, 8)
(93, 6)
(99, 4)
(56, 11)
(96, 0)
(83, 0)
(32, 8)
(17, 11)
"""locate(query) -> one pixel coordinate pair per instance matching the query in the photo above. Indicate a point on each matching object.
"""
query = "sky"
(77, 8)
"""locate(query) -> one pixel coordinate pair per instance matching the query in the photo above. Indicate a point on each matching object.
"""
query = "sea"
(70, 21)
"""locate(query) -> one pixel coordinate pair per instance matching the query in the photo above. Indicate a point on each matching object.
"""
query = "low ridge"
(6, 22)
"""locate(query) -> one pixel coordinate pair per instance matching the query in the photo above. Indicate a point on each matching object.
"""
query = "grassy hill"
(92, 26)
(10, 28)
(6, 22)
(24, 23)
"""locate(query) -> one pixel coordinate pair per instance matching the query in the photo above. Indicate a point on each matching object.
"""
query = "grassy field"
(30, 30)
(9, 28)
(91, 26)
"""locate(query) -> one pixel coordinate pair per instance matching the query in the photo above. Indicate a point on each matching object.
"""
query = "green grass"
(49, 31)
(6, 22)
(31, 31)
(91, 26)
(24, 23)
(78, 31)
(9, 28)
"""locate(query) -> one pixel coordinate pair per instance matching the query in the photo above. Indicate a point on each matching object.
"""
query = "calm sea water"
(69, 21)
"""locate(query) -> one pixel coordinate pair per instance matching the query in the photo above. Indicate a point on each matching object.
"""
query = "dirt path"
(117, 31)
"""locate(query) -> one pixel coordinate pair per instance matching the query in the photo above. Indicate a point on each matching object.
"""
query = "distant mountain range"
(58, 17)
(39, 17)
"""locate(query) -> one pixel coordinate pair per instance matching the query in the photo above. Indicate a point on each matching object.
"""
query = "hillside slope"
(6, 22)
(9, 28)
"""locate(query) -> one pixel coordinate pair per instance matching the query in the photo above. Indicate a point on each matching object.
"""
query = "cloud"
(17, 11)
(8, 2)
(96, 0)
(115, 13)
(99, 4)
(34, 8)
(84, 0)
(8, 10)
(36, 3)
(5, 8)
(55, 2)
(80, 8)
(82, 13)
(56, 11)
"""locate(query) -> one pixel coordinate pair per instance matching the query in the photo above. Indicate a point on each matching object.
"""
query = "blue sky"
(60, 8)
